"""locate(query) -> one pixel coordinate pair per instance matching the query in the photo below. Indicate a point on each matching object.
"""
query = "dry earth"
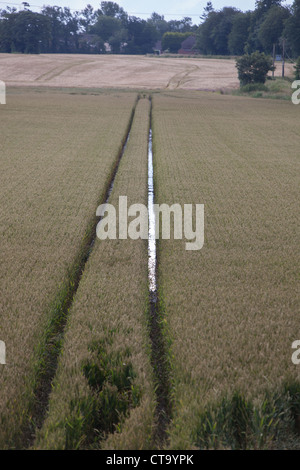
(99, 71)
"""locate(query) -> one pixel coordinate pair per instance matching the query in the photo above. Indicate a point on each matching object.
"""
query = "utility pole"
(274, 56)
(283, 56)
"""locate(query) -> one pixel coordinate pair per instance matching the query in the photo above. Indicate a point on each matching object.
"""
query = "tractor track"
(51, 347)
(159, 356)
(50, 350)
(180, 78)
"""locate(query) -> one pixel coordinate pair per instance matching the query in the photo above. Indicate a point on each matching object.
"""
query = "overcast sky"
(171, 9)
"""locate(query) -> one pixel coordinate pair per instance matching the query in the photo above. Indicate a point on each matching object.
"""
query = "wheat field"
(53, 176)
(227, 314)
(111, 302)
(231, 308)
(98, 71)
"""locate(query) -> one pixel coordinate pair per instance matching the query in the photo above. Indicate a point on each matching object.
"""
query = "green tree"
(221, 35)
(117, 40)
(159, 23)
(239, 33)
(213, 34)
(106, 27)
(253, 68)
(110, 25)
(70, 28)
(6, 37)
(207, 10)
(180, 26)
(297, 69)
(111, 9)
(263, 6)
(205, 34)
(142, 36)
(88, 17)
(24, 32)
(272, 27)
(54, 16)
(172, 41)
(258, 16)
(292, 29)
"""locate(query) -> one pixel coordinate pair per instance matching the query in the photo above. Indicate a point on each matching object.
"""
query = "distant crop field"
(97, 71)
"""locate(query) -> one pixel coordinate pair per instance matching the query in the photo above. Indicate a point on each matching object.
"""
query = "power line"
(129, 13)
(167, 14)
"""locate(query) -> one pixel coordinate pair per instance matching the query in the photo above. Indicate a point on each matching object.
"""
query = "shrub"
(172, 41)
(113, 393)
(251, 87)
(253, 68)
(236, 423)
(297, 69)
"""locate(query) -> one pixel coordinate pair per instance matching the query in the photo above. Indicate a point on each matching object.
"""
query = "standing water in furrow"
(159, 354)
(151, 239)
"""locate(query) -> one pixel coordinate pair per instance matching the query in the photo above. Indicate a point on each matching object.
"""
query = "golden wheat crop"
(110, 309)
(232, 308)
(57, 154)
(228, 312)
(141, 72)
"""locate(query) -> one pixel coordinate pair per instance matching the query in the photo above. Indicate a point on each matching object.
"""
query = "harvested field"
(231, 308)
(98, 71)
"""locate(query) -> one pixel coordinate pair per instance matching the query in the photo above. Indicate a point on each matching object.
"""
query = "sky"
(171, 9)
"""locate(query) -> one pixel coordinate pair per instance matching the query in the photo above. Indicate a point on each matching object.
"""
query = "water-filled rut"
(151, 236)
(50, 348)
(159, 351)
(53, 342)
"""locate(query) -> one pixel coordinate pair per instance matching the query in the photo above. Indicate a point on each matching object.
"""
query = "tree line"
(60, 30)
(232, 32)
(110, 29)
